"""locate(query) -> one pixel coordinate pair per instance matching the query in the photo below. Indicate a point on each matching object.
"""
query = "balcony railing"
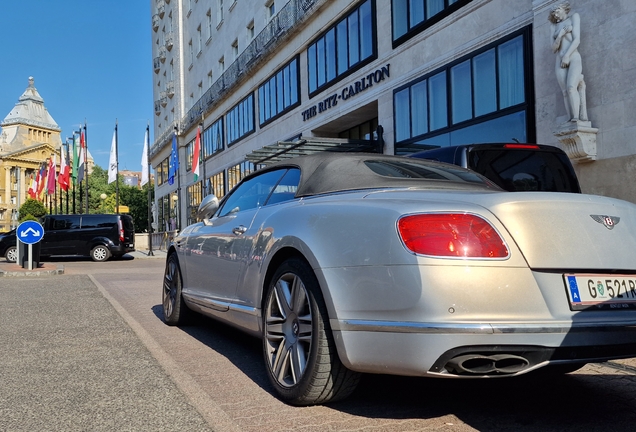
(290, 17)
(162, 53)
(155, 22)
(170, 88)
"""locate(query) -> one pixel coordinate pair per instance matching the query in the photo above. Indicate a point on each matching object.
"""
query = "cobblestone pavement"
(87, 350)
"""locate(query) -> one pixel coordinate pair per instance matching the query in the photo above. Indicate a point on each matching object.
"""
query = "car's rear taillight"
(120, 225)
(451, 235)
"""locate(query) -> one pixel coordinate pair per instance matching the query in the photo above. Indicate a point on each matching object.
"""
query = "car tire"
(100, 253)
(11, 255)
(300, 353)
(175, 311)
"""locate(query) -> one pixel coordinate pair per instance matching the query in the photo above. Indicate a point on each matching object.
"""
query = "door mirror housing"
(208, 207)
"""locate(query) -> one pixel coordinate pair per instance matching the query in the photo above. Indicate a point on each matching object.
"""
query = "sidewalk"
(54, 268)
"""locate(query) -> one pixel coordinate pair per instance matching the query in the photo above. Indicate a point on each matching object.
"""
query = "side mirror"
(208, 206)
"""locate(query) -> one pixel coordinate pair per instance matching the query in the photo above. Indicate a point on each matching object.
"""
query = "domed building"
(29, 138)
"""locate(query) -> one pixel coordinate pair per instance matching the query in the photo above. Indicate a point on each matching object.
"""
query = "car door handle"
(239, 230)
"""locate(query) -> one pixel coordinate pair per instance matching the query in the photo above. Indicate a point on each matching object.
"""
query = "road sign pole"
(30, 256)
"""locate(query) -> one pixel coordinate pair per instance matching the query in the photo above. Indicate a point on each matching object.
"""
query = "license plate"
(600, 291)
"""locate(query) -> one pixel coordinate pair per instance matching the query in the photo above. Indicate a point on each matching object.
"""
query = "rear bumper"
(419, 349)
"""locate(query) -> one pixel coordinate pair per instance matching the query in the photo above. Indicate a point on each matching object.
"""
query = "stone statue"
(566, 37)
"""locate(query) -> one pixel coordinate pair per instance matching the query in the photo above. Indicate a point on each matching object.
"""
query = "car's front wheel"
(300, 353)
(175, 311)
(100, 253)
(11, 255)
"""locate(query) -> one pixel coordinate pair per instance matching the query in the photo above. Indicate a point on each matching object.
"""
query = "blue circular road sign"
(30, 232)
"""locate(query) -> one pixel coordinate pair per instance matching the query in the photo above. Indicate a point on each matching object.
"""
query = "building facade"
(394, 76)
(28, 139)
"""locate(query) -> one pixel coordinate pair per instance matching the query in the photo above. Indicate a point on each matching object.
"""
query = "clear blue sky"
(91, 61)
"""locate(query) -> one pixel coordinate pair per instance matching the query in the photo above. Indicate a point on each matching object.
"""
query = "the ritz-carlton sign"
(357, 87)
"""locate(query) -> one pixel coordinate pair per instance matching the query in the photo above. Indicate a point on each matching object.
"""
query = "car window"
(286, 189)
(251, 193)
(64, 222)
(407, 169)
(522, 170)
(98, 221)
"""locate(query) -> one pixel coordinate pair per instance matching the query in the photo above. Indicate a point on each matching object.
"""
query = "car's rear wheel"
(11, 255)
(300, 353)
(100, 253)
(175, 311)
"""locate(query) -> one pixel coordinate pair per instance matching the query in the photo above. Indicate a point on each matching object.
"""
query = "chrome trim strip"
(220, 305)
(244, 309)
(562, 327)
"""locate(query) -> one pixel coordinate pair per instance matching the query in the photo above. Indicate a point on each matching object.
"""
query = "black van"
(99, 236)
(512, 166)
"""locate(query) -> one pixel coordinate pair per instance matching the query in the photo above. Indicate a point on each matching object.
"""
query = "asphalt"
(46, 268)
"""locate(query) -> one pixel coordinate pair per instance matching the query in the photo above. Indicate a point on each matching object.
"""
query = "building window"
(208, 17)
(483, 97)
(220, 12)
(271, 9)
(236, 173)
(239, 121)
(279, 93)
(193, 199)
(213, 139)
(191, 52)
(235, 50)
(189, 155)
(343, 48)
(412, 16)
(222, 65)
(217, 184)
(199, 41)
(250, 31)
(210, 79)
(363, 131)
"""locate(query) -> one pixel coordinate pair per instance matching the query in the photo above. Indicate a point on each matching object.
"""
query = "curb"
(38, 272)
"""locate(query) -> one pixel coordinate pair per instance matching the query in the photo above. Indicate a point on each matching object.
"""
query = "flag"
(51, 176)
(197, 152)
(173, 167)
(33, 187)
(112, 164)
(63, 177)
(144, 159)
(42, 182)
(81, 157)
(75, 160)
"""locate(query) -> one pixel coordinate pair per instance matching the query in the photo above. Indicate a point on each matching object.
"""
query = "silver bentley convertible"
(363, 263)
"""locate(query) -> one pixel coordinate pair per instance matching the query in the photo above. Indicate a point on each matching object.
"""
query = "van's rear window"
(525, 170)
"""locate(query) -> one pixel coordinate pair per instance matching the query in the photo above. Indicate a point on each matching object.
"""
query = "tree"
(33, 208)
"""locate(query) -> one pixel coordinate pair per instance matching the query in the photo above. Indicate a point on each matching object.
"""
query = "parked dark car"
(99, 236)
(512, 166)
(7, 246)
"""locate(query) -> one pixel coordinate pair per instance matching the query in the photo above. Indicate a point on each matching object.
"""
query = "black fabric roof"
(332, 172)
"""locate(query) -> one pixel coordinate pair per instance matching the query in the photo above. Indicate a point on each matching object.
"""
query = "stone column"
(7, 185)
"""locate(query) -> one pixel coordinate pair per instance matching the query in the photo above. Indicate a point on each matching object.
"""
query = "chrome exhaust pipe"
(478, 364)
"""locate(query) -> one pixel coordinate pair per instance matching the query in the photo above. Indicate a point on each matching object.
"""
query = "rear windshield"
(413, 170)
(525, 170)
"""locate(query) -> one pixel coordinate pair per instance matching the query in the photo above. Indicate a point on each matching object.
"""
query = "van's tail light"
(121, 230)
(451, 235)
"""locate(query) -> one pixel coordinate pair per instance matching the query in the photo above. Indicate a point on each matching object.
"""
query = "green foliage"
(33, 208)
(28, 217)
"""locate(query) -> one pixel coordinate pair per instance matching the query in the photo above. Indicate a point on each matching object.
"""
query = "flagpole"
(86, 162)
(116, 169)
(205, 179)
(178, 186)
(147, 145)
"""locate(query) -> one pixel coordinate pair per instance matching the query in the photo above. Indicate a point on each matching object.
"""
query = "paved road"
(87, 350)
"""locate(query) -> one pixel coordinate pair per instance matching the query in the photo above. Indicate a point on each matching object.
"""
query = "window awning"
(283, 150)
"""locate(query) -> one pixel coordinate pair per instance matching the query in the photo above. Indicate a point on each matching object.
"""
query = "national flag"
(197, 152)
(112, 164)
(42, 180)
(33, 187)
(173, 167)
(51, 176)
(81, 157)
(75, 158)
(144, 159)
(63, 177)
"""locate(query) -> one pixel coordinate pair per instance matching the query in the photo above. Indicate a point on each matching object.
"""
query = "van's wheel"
(175, 311)
(300, 353)
(11, 255)
(100, 253)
